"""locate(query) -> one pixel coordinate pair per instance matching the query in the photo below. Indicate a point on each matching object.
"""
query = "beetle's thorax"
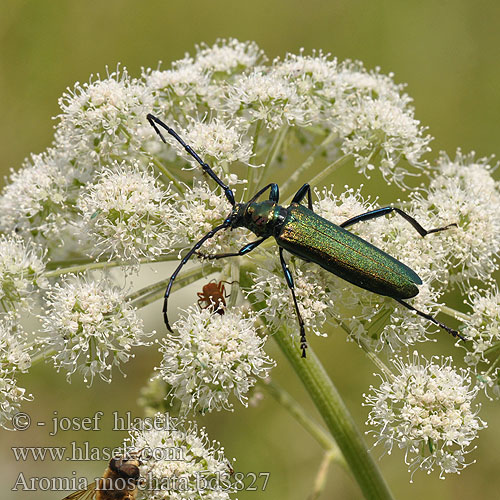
(263, 218)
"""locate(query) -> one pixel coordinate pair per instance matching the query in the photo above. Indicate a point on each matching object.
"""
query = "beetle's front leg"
(380, 212)
(289, 281)
(246, 249)
(301, 193)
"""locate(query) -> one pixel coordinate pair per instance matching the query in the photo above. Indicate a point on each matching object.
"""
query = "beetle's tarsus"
(437, 230)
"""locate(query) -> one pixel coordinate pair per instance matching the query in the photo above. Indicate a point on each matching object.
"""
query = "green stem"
(318, 178)
(369, 353)
(156, 163)
(285, 400)
(66, 263)
(307, 163)
(492, 349)
(336, 416)
(41, 356)
(152, 293)
(274, 149)
(235, 277)
(91, 266)
(251, 170)
(454, 313)
(492, 367)
(167, 174)
(320, 482)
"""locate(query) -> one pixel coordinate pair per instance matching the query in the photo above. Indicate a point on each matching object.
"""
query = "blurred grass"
(446, 51)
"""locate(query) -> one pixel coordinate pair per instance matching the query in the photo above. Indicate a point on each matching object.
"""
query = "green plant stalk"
(306, 164)
(151, 293)
(454, 313)
(162, 168)
(251, 170)
(318, 178)
(321, 436)
(336, 416)
(273, 151)
(371, 355)
(92, 265)
(320, 482)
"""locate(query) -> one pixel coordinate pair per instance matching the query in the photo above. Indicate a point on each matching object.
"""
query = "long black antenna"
(206, 168)
(191, 252)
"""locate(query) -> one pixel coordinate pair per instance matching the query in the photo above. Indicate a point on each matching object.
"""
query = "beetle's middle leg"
(380, 212)
(289, 281)
(246, 249)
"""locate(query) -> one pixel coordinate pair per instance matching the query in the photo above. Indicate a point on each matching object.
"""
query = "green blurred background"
(447, 52)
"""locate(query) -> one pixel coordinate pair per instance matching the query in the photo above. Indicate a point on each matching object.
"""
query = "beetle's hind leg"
(431, 318)
(380, 212)
(289, 281)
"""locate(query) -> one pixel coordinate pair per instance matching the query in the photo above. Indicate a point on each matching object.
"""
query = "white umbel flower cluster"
(483, 330)
(212, 358)
(101, 120)
(179, 462)
(37, 203)
(21, 271)
(15, 358)
(464, 191)
(427, 410)
(314, 288)
(126, 213)
(89, 328)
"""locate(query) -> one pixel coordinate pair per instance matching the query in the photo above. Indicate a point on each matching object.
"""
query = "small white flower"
(228, 56)
(219, 141)
(313, 76)
(126, 214)
(184, 89)
(90, 327)
(338, 209)
(200, 210)
(353, 78)
(427, 410)
(483, 329)
(212, 357)
(263, 95)
(21, 271)
(180, 462)
(15, 358)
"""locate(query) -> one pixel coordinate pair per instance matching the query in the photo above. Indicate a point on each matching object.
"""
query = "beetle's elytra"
(302, 232)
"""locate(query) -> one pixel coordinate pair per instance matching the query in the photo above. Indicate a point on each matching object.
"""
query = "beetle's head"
(254, 216)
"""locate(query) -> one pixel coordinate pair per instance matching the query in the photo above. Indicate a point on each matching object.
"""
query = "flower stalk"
(336, 416)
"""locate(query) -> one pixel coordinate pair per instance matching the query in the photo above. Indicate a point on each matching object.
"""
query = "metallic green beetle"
(301, 232)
